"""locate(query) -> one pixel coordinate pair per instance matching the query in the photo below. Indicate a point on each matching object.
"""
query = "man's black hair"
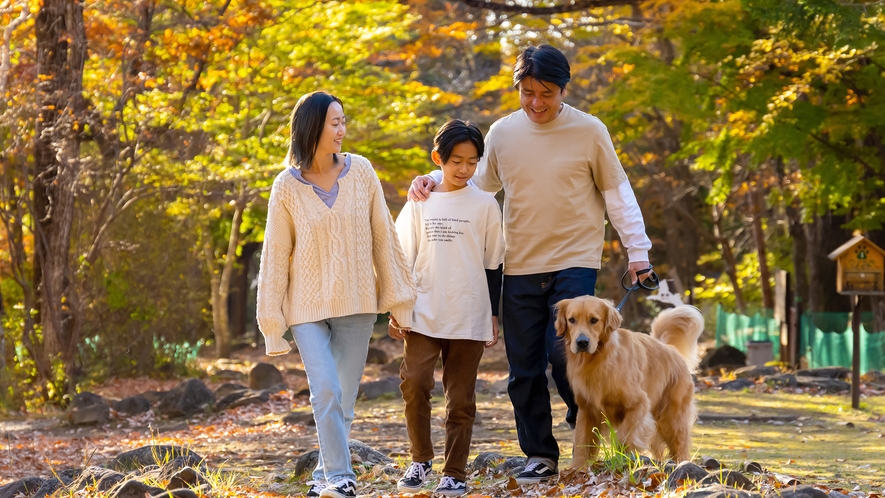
(544, 63)
(453, 133)
(308, 122)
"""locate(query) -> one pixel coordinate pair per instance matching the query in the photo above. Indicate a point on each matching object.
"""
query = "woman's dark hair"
(544, 63)
(308, 122)
(453, 133)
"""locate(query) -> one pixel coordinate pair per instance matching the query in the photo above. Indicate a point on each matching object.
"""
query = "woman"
(331, 261)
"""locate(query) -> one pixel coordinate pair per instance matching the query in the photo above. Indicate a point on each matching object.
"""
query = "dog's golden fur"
(640, 383)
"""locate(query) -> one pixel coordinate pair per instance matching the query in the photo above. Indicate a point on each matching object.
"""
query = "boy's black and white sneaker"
(316, 487)
(449, 486)
(344, 488)
(536, 472)
(414, 478)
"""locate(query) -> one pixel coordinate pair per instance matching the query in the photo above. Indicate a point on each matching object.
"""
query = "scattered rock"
(227, 388)
(186, 399)
(229, 375)
(511, 465)
(827, 384)
(50, 486)
(88, 408)
(264, 376)
(498, 387)
(150, 455)
(828, 372)
(250, 398)
(133, 405)
(101, 478)
(755, 372)
(177, 493)
(731, 478)
(25, 486)
(297, 372)
(780, 380)
(873, 376)
(438, 391)
(135, 489)
(710, 463)
(293, 418)
(376, 356)
(724, 355)
(154, 396)
(306, 462)
(486, 460)
(378, 388)
(186, 478)
(498, 364)
(482, 386)
(393, 365)
(366, 453)
(178, 464)
(719, 491)
(798, 492)
(685, 472)
(737, 385)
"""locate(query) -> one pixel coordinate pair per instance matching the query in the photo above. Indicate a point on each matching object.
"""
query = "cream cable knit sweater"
(319, 262)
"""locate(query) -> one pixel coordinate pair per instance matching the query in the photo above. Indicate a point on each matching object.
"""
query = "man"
(559, 172)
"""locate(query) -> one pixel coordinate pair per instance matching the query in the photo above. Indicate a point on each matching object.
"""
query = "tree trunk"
(755, 202)
(730, 262)
(239, 293)
(61, 53)
(221, 281)
(799, 254)
(825, 234)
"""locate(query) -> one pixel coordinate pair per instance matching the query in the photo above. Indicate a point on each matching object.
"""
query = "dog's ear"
(613, 317)
(561, 323)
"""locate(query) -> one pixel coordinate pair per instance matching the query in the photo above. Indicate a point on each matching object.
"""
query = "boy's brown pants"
(460, 359)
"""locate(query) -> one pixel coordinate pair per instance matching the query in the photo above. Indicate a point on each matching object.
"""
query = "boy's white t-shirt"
(450, 240)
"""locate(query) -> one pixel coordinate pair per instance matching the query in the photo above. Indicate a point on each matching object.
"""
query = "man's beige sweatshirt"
(319, 262)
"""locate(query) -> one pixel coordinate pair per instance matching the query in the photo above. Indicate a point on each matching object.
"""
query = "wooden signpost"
(860, 271)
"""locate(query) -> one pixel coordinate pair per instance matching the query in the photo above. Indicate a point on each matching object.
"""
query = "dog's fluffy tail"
(680, 327)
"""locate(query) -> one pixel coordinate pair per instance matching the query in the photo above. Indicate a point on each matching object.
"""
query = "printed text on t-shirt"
(443, 229)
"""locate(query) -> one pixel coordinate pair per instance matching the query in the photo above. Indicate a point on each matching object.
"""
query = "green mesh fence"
(824, 338)
(737, 330)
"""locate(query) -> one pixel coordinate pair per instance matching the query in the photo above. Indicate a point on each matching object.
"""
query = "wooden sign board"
(860, 267)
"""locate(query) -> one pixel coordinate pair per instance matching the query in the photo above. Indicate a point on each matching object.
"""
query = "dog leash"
(651, 282)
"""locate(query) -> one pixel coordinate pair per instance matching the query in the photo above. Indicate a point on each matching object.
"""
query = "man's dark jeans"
(530, 338)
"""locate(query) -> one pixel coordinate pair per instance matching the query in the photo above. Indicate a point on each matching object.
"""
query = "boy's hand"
(421, 187)
(494, 333)
(394, 330)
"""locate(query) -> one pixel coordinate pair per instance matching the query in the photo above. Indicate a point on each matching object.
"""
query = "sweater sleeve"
(396, 288)
(407, 230)
(273, 275)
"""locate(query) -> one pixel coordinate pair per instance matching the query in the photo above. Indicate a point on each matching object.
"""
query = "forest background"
(139, 140)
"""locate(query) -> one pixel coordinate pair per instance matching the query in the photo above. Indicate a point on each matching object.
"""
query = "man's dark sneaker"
(535, 472)
(449, 486)
(414, 478)
(344, 488)
(316, 487)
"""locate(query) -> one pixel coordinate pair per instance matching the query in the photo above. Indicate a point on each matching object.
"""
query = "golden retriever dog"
(640, 383)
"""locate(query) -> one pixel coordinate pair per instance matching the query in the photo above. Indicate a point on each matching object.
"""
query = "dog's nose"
(582, 342)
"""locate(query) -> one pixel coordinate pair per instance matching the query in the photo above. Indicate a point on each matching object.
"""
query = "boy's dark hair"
(545, 63)
(454, 132)
(308, 121)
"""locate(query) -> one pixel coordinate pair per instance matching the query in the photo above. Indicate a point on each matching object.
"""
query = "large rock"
(684, 473)
(797, 492)
(724, 356)
(378, 388)
(242, 398)
(780, 380)
(737, 385)
(225, 389)
(731, 478)
(187, 477)
(62, 479)
(88, 408)
(151, 455)
(133, 405)
(306, 462)
(376, 356)
(828, 372)
(755, 372)
(264, 376)
(26, 486)
(826, 384)
(366, 453)
(299, 417)
(100, 478)
(720, 491)
(136, 489)
(186, 399)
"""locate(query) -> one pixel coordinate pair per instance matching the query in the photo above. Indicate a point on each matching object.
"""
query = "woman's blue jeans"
(334, 354)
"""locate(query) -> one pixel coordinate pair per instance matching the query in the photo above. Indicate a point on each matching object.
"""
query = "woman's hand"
(494, 333)
(394, 330)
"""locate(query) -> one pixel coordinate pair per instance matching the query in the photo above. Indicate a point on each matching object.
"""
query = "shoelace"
(416, 470)
(317, 484)
(346, 485)
(448, 482)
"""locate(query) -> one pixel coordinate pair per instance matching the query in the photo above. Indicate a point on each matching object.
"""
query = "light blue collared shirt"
(329, 197)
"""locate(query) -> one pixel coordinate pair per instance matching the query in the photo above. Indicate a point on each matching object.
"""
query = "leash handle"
(651, 282)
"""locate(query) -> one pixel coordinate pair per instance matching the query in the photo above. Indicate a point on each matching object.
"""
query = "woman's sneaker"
(344, 488)
(414, 478)
(536, 472)
(316, 487)
(449, 486)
